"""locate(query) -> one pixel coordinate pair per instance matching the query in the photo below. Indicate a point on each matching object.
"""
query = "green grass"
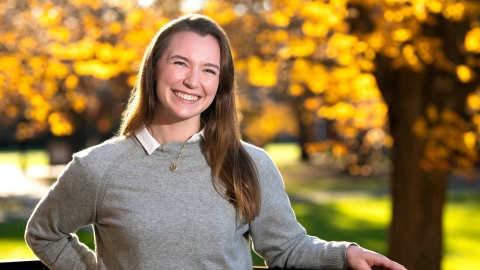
(365, 221)
(13, 246)
(30, 157)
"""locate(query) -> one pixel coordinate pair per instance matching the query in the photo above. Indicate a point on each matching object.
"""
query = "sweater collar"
(150, 144)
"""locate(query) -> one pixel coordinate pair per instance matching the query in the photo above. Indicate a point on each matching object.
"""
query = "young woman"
(178, 189)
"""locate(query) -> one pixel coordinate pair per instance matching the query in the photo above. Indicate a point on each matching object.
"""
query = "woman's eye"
(211, 71)
(180, 63)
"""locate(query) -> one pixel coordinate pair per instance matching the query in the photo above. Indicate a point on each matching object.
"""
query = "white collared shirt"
(150, 144)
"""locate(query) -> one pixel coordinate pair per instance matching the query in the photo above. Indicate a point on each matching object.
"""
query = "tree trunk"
(415, 238)
(418, 196)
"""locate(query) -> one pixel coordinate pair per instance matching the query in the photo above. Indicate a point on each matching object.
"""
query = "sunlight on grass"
(347, 220)
(284, 153)
(462, 232)
(14, 249)
(30, 157)
(374, 210)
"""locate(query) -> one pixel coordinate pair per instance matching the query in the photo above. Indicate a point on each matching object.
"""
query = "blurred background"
(370, 108)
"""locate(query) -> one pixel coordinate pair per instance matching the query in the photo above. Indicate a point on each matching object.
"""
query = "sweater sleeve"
(68, 206)
(280, 239)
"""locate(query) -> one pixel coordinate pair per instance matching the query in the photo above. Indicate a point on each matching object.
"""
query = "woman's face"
(187, 77)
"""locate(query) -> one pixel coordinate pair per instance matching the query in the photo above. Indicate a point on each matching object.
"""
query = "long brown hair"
(233, 169)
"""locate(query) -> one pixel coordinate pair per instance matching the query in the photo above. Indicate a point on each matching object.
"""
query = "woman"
(178, 188)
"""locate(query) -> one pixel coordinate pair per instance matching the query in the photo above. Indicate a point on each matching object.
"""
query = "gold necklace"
(174, 166)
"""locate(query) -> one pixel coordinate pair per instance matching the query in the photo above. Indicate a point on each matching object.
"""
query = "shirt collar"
(150, 144)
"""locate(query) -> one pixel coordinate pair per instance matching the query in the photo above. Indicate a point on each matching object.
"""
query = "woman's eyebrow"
(188, 61)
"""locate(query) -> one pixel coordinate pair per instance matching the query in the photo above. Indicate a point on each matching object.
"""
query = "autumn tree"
(427, 65)
(360, 64)
(67, 67)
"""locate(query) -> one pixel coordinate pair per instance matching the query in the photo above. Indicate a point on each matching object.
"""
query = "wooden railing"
(38, 265)
(23, 264)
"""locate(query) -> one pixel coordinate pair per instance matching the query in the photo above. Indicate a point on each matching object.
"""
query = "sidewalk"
(20, 191)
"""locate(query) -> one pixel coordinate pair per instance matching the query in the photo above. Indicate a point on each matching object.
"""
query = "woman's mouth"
(185, 96)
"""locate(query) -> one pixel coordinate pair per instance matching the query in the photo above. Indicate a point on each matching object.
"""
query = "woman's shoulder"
(108, 151)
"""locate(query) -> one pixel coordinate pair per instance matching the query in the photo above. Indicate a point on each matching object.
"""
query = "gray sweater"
(147, 217)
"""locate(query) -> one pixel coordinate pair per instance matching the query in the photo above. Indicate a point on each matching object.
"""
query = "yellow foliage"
(317, 79)
(49, 88)
(95, 4)
(134, 18)
(84, 49)
(432, 113)
(402, 35)
(419, 127)
(40, 113)
(59, 33)
(278, 18)
(342, 42)
(464, 73)
(96, 68)
(408, 53)
(55, 69)
(131, 80)
(388, 141)
(376, 41)
(59, 125)
(71, 81)
(420, 12)
(299, 71)
(454, 11)
(142, 36)
(472, 40)
(312, 103)
(221, 11)
(339, 149)
(115, 28)
(365, 86)
(341, 111)
(313, 29)
(435, 6)
(470, 139)
(28, 43)
(302, 47)
(262, 73)
(295, 90)
(105, 52)
(272, 120)
(473, 101)
(50, 16)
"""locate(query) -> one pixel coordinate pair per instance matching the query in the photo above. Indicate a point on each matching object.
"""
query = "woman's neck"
(173, 132)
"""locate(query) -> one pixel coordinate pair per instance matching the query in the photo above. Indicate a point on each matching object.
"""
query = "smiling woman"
(178, 189)
(187, 78)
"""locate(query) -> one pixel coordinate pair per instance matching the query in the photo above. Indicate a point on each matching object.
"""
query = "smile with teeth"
(185, 96)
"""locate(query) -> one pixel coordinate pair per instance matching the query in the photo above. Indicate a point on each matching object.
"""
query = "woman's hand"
(364, 259)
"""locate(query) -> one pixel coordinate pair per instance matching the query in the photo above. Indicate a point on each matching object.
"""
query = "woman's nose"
(192, 80)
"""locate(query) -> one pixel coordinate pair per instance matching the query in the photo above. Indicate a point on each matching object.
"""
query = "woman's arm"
(283, 242)
(69, 205)
(276, 234)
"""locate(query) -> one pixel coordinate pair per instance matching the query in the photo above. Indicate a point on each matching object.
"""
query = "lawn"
(333, 208)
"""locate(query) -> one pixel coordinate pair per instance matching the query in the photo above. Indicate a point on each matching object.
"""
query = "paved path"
(15, 182)
(20, 191)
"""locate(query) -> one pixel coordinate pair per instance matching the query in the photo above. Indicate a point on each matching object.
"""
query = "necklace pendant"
(173, 167)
